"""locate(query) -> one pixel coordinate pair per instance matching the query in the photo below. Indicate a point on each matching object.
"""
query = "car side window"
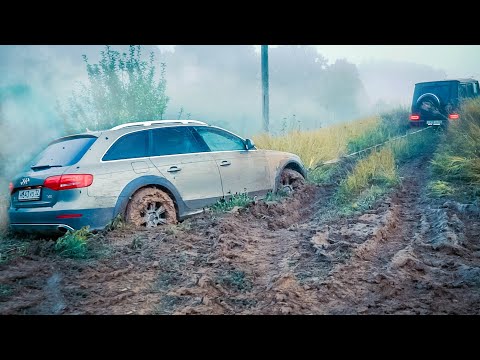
(470, 90)
(462, 91)
(173, 141)
(475, 89)
(130, 146)
(219, 140)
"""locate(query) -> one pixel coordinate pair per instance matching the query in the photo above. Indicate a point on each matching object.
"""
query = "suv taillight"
(414, 117)
(453, 116)
(10, 187)
(68, 181)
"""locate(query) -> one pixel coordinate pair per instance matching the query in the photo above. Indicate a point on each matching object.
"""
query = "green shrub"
(236, 200)
(458, 159)
(74, 243)
(439, 189)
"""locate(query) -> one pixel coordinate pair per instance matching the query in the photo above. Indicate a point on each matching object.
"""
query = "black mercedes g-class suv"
(438, 102)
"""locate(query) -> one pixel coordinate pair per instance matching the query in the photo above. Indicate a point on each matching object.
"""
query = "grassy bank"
(318, 145)
(456, 166)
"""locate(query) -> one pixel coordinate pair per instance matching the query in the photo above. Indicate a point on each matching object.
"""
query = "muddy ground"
(408, 255)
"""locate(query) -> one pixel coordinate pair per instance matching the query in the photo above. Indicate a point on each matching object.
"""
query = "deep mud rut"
(408, 255)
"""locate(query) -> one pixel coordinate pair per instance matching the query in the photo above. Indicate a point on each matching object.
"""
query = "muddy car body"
(151, 173)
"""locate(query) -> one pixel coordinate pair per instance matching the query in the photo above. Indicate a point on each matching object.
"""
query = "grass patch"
(5, 291)
(439, 189)
(12, 247)
(236, 200)
(74, 243)
(275, 197)
(458, 159)
(391, 124)
(235, 279)
(376, 174)
(320, 145)
(117, 222)
(378, 168)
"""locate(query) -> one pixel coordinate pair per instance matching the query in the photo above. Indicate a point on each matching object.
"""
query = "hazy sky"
(456, 60)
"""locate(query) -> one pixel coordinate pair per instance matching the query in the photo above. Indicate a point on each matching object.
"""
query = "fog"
(217, 84)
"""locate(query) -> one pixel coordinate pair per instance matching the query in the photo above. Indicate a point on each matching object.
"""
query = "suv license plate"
(435, 122)
(29, 195)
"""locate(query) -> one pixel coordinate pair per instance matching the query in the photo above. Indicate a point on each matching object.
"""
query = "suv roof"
(464, 80)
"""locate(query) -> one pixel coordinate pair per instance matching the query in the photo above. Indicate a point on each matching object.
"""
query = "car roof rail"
(158, 122)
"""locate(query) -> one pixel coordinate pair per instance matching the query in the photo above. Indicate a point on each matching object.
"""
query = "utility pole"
(265, 87)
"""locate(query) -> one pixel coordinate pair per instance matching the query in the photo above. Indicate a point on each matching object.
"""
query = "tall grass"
(376, 173)
(458, 159)
(319, 145)
(390, 124)
(378, 168)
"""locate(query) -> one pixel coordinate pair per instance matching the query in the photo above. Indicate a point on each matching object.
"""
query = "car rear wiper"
(38, 167)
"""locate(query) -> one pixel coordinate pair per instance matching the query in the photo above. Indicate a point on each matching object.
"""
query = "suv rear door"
(187, 164)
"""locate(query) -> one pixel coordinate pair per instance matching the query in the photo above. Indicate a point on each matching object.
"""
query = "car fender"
(144, 181)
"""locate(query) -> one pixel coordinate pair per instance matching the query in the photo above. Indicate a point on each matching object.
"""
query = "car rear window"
(64, 152)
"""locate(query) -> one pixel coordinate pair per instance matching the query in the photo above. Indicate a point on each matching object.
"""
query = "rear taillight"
(453, 116)
(414, 117)
(68, 181)
(10, 187)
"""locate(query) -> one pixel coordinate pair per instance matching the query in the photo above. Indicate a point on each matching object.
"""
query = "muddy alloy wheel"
(151, 207)
(290, 180)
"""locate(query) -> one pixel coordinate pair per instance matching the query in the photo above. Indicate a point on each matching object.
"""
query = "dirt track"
(409, 255)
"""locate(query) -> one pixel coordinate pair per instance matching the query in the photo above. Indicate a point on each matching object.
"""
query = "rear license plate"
(29, 195)
(434, 122)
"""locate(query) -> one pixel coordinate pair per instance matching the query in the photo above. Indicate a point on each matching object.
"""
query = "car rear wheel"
(151, 207)
(290, 180)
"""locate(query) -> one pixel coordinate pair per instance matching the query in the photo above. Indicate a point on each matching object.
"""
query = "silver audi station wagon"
(150, 173)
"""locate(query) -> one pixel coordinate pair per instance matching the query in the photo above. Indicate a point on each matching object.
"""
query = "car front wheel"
(290, 180)
(150, 207)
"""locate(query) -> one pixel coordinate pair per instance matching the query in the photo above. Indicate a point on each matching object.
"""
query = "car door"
(241, 170)
(124, 161)
(187, 164)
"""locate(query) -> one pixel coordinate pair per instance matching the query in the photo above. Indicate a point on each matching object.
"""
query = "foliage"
(235, 279)
(11, 247)
(391, 124)
(319, 145)
(439, 188)
(458, 160)
(236, 200)
(376, 169)
(74, 243)
(121, 88)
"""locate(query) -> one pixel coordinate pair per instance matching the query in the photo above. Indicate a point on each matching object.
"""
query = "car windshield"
(63, 152)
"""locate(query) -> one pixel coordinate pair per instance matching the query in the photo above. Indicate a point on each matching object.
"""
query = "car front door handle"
(225, 163)
(174, 169)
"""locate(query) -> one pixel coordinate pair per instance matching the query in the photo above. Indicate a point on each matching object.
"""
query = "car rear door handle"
(174, 169)
(225, 163)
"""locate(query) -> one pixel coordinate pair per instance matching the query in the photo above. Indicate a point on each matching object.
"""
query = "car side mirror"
(249, 144)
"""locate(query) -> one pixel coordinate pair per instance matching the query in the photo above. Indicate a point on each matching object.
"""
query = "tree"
(121, 88)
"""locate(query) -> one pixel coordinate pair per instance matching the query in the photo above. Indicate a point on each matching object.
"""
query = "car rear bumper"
(422, 123)
(46, 220)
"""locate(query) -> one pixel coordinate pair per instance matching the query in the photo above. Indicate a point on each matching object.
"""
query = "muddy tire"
(290, 181)
(150, 207)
